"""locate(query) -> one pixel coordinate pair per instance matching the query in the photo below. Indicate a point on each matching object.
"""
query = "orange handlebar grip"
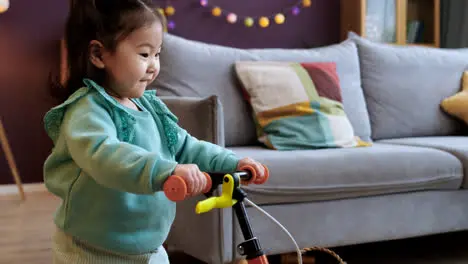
(252, 172)
(175, 188)
(267, 174)
(209, 183)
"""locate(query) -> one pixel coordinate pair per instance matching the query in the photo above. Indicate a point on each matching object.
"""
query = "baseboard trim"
(12, 189)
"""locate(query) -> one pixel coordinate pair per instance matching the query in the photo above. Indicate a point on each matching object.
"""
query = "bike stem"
(250, 248)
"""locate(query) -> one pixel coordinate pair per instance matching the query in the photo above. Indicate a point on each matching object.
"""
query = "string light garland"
(248, 21)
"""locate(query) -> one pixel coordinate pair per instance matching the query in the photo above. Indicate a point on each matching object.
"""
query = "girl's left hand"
(260, 170)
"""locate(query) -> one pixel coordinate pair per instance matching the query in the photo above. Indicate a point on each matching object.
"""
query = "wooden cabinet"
(402, 22)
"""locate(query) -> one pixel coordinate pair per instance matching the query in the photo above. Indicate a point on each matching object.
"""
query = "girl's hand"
(259, 168)
(195, 179)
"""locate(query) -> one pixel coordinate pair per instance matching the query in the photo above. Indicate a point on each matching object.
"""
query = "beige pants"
(67, 250)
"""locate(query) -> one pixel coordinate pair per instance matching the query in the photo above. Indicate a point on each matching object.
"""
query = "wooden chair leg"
(11, 161)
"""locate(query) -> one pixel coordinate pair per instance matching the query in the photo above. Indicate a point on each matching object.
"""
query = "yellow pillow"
(457, 104)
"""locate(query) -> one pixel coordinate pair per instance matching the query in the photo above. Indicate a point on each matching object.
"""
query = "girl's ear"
(96, 50)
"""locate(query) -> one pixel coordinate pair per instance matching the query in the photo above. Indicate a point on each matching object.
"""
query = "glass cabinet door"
(381, 20)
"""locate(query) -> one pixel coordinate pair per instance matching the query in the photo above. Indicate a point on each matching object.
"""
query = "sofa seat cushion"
(456, 145)
(326, 174)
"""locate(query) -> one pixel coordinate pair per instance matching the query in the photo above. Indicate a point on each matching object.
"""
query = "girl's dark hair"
(108, 21)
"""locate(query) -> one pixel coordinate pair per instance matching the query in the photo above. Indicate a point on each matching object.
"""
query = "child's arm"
(91, 138)
(208, 156)
(213, 158)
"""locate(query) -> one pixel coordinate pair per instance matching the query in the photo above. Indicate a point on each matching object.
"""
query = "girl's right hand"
(195, 179)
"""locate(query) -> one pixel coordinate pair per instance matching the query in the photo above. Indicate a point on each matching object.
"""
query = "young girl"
(115, 143)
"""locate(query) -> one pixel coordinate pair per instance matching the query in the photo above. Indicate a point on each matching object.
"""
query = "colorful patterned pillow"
(296, 105)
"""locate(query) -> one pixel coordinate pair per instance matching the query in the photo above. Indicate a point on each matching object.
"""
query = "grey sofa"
(410, 182)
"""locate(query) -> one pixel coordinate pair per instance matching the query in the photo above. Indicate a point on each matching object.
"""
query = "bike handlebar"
(176, 188)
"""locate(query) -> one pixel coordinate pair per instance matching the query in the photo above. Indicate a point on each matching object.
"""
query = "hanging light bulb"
(4, 5)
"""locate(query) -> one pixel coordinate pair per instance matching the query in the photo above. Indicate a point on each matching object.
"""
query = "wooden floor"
(26, 227)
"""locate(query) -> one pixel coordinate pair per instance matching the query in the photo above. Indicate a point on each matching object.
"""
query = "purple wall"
(30, 33)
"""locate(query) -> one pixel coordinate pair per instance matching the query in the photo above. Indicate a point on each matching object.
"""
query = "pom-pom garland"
(263, 21)
(248, 21)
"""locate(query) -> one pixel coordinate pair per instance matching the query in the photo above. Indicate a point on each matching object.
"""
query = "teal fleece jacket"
(109, 163)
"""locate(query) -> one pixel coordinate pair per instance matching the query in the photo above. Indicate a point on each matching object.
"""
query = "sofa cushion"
(457, 104)
(457, 146)
(312, 175)
(195, 69)
(308, 114)
(404, 86)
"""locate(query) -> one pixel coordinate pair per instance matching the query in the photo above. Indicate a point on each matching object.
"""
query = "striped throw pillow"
(296, 105)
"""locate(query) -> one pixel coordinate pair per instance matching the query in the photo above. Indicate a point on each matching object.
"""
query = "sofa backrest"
(195, 69)
(404, 86)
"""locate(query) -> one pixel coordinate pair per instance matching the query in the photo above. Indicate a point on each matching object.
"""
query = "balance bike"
(232, 195)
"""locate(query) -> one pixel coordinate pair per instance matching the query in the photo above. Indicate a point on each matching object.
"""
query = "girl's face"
(134, 63)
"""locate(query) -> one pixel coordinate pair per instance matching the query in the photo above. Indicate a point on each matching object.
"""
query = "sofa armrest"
(201, 117)
(209, 236)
